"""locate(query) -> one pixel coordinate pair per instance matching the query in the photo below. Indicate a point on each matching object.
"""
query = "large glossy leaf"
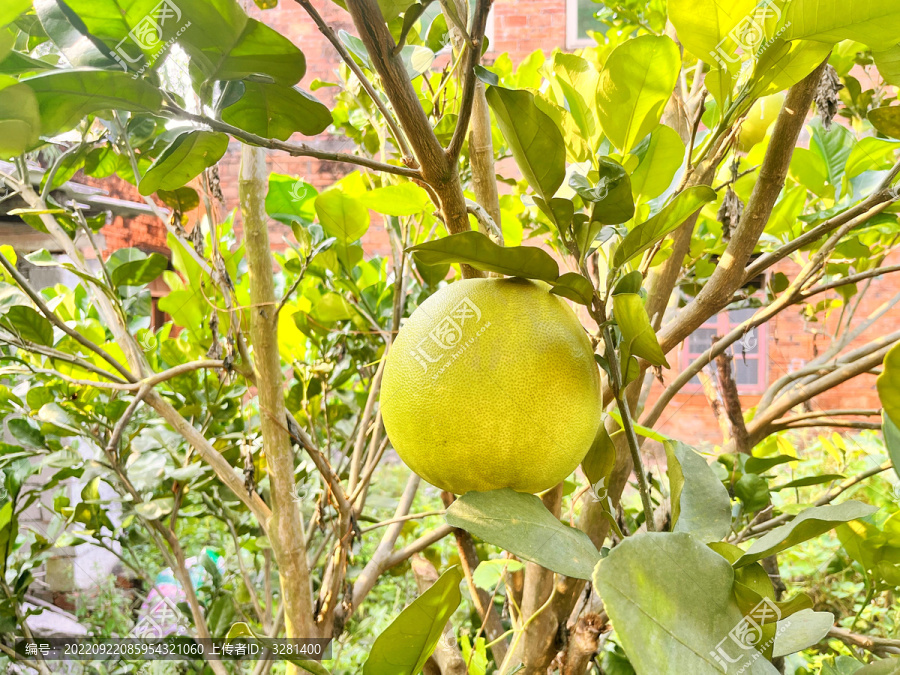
(784, 63)
(521, 524)
(673, 214)
(611, 195)
(888, 63)
(891, 440)
(888, 384)
(11, 9)
(477, 250)
(834, 146)
(801, 630)
(183, 160)
(404, 199)
(638, 336)
(670, 598)
(660, 155)
(405, 645)
(875, 24)
(575, 287)
(635, 84)
(66, 29)
(808, 524)
(28, 324)
(341, 215)
(277, 111)
(290, 199)
(533, 138)
(132, 267)
(702, 25)
(700, 503)
(886, 119)
(66, 97)
(20, 118)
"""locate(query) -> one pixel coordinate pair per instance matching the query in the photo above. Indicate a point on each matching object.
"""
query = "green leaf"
(599, 462)
(762, 464)
(880, 667)
(521, 524)
(404, 199)
(28, 324)
(638, 336)
(808, 524)
(659, 157)
(611, 196)
(481, 253)
(670, 598)
(183, 160)
(67, 31)
(25, 433)
(341, 215)
(139, 272)
(886, 120)
(66, 97)
(489, 572)
(574, 287)
(156, 508)
(673, 214)
(700, 503)
(12, 9)
(20, 118)
(635, 84)
(702, 25)
(290, 199)
(888, 384)
(783, 64)
(807, 481)
(533, 138)
(277, 111)
(183, 199)
(888, 64)
(871, 154)
(753, 491)
(875, 24)
(405, 645)
(834, 145)
(803, 629)
(891, 440)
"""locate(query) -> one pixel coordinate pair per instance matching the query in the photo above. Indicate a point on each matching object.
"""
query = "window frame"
(572, 39)
(721, 323)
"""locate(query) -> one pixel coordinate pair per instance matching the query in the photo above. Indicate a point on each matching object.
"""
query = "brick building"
(519, 27)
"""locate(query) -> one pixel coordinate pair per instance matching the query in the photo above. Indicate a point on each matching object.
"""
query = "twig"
(329, 34)
(293, 149)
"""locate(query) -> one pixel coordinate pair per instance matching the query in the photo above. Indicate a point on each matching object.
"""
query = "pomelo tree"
(698, 159)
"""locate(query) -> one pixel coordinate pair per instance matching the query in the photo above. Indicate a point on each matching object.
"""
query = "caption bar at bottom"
(174, 648)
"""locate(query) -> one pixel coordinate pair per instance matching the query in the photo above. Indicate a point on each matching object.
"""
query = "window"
(581, 17)
(749, 363)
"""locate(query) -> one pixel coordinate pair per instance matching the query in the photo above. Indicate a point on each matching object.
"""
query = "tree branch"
(729, 273)
(293, 149)
(285, 527)
(473, 51)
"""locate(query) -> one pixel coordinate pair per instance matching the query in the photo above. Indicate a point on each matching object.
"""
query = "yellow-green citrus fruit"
(760, 117)
(492, 383)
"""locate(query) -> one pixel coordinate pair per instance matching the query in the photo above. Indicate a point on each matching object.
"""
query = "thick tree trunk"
(285, 524)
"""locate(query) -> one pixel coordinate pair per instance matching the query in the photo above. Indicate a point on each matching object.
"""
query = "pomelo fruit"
(759, 118)
(492, 383)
